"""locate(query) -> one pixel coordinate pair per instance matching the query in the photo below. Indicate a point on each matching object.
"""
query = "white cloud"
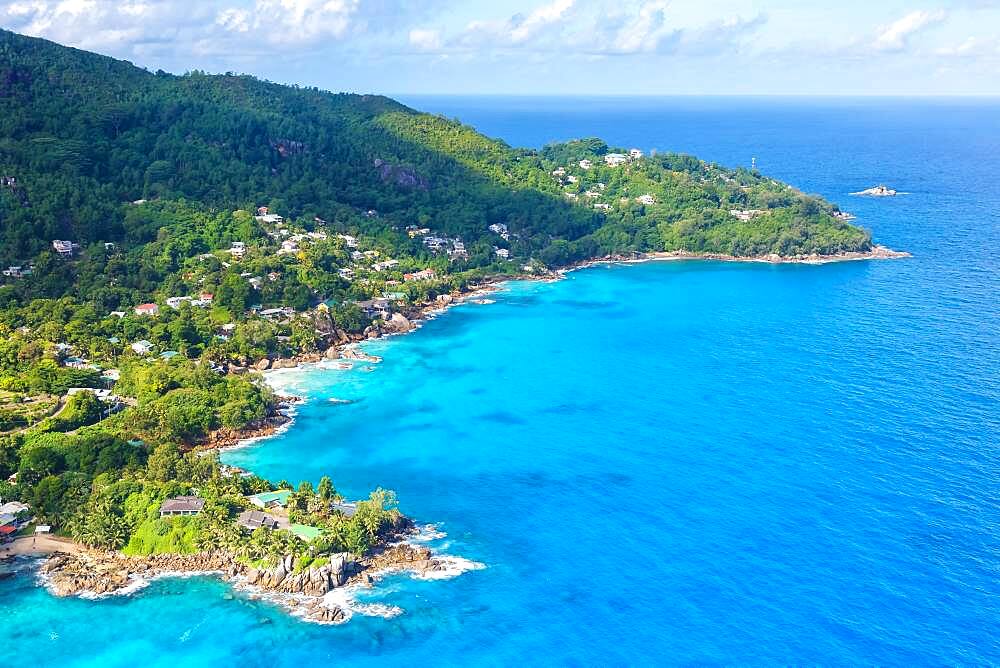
(643, 30)
(233, 20)
(971, 47)
(425, 40)
(291, 21)
(895, 36)
(522, 29)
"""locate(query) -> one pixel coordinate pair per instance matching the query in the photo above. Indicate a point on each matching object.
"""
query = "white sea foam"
(136, 583)
(346, 599)
(454, 566)
(428, 532)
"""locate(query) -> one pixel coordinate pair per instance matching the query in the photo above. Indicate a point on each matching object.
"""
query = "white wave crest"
(453, 567)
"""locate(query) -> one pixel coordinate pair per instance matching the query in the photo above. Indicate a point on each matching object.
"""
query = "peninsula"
(166, 237)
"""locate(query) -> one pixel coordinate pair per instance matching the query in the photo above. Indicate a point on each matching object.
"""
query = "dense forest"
(160, 233)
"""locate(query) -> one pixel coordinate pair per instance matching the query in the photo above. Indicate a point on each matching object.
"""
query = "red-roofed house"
(423, 275)
(147, 309)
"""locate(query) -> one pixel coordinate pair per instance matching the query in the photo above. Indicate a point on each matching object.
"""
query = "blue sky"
(588, 47)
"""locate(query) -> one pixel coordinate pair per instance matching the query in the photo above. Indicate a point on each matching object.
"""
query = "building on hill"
(304, 532)
(615, 159)
(17, 271)
(147, 309)
(422, 275)
(64, 248)
(744, 215)
(182, 505)
(277, 499)
(635, 154)
(376, 308)
(257, 519)
(142, 347)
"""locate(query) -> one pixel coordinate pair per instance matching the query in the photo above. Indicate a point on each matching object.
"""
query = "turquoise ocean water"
(661, 463)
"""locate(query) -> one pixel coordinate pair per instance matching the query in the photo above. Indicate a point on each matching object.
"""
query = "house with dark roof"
(182, 505)
(257, 519)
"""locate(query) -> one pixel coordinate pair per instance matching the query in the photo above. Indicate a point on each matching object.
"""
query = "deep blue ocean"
(661, 463)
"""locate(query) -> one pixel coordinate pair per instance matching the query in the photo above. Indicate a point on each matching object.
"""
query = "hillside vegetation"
(206, 223)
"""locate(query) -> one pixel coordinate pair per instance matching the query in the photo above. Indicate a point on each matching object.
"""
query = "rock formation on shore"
(93, 572)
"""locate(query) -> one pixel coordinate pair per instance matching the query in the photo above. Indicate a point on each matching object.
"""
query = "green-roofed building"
(277, 499)
(304, 532)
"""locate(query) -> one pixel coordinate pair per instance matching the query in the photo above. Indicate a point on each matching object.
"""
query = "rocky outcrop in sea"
(298, 586)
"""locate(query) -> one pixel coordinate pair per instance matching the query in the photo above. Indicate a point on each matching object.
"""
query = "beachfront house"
(14, 508)
(376, 308)
(182, 505)
(8, 525)
(252, 520)
(266, 500)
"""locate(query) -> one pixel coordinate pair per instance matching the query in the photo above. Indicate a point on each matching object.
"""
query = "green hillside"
(161, 233)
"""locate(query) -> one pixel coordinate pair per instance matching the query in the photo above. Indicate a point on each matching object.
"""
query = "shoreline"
(418, 314)
(95, 574)
(877, 252)
(324, 594)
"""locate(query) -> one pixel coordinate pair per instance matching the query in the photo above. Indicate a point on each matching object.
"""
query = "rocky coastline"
(297, 586)
(875, 253)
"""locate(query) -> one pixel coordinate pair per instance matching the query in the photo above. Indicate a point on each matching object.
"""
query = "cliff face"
(311, 581)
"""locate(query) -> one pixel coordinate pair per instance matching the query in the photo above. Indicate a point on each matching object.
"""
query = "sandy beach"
(39, 545)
